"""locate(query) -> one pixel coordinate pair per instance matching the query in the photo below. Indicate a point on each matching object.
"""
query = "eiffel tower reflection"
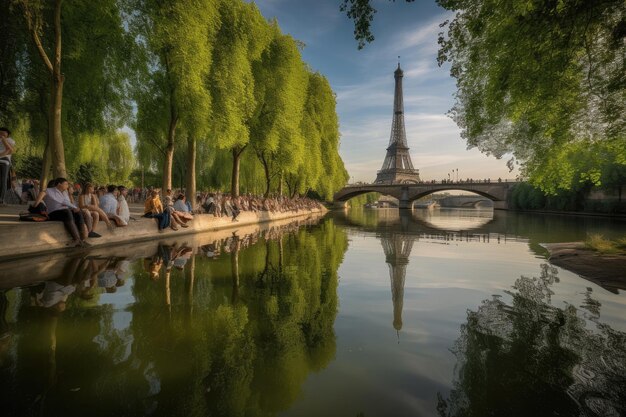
(397, 247)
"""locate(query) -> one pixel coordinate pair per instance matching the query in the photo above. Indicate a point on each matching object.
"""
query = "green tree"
(38, 16)
(178, 39)
(533, 75)
(281, 80)
(362, 13)
(243, 36)
(323, 169)
(91, 95)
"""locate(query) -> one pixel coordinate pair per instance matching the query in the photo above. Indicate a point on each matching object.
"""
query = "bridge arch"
(349, 194)
(453, 187)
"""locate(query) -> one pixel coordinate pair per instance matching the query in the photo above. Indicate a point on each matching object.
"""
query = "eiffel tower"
(397, 167)
(397, 248)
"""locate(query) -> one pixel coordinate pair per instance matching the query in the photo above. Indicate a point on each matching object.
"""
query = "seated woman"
(88, 200)
(153, 209)
(91, 218)
(123, 210)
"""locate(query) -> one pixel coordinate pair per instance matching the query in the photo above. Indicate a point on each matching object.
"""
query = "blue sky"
(363, 81)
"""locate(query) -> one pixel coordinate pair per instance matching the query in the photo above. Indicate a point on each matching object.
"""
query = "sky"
(364, 84)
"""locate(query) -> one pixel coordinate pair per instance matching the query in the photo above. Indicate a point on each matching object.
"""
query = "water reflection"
(528, 357)
(397, 248)
(443, 225)
(232, 329)
(241, 322)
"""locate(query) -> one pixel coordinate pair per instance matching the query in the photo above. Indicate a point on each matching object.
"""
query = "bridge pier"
(340, 205)
(405, 204)
(500, 205)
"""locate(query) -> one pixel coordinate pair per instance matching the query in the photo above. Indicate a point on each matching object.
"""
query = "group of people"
(223, 205)
(81, 218)
(167, 213)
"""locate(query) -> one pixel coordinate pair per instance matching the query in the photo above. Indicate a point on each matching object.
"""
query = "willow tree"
(178, 37)
(322, 170)
(242, 37)
(281, 80)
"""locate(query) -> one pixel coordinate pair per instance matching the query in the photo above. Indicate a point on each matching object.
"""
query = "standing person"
(7, 147)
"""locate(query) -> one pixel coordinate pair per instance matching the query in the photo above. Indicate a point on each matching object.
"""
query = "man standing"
(7, 147)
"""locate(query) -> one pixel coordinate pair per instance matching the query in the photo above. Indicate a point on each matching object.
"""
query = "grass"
(598, 243)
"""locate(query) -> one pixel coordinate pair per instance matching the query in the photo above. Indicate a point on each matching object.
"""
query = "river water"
(360, 313)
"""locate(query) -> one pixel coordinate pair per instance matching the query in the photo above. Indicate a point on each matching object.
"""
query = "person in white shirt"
(110, 205)
(182, 208)
(7, 147)
(124, 211)
(60, 208)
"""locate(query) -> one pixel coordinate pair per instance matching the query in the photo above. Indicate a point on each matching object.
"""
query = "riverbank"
(22, 239)
(606, 270)
(39, 267)
(573, 213)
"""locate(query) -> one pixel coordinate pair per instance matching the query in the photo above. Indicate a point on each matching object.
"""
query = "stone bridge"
(498, 192)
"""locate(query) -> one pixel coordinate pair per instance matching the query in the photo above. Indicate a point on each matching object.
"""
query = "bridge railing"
(466, 182)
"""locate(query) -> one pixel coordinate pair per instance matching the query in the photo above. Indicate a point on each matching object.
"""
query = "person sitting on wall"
(176, 217)
(153, 209)
(110, 205)
(123, 210)
(89, 201)
(60, 208)
(182, 207)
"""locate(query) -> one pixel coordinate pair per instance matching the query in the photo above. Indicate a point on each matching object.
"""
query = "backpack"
(35, 214)
(33, 217)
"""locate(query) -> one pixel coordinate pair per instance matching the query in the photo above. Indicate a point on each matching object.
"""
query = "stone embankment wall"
(20, 239)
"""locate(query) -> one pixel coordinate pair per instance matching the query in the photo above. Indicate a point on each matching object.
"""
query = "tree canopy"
(200, 82)
(535, 79)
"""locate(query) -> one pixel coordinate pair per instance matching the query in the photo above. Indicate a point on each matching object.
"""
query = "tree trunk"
(289, 188)
(169, 151)
(55, 138)
(266, 169)
(280, 184)
(56, 100)
(234, 188)
(46, 164)
(191, 171)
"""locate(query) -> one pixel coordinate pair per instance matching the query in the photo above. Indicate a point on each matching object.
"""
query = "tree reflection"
(528, 357)
(284, 330)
